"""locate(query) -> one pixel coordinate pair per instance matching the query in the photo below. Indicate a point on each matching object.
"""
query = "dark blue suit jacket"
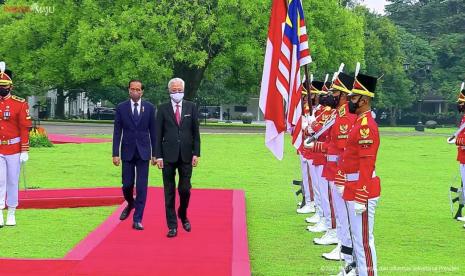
(131, 135)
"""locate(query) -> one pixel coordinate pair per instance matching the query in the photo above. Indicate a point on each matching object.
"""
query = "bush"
(447, 118)
(38, 138)
(247, 117)
(431, 124)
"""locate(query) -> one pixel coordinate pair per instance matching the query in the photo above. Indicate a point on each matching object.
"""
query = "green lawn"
(49, 233)
(413, 230)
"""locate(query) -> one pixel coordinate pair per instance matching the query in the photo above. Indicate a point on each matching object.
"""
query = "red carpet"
(66, 139)
(217, 244)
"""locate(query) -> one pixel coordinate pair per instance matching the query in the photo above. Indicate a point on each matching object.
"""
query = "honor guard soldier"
(15, 122)
(312, 159)
(308, 205)
(362, 188)
(323, 113)
(460, 140)
(334, 147)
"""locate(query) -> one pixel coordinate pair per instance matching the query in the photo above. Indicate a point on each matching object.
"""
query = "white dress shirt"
(138, 106)
(173, 103)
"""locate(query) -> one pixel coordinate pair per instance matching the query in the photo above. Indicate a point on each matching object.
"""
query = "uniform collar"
(364, 114)
(5, 98)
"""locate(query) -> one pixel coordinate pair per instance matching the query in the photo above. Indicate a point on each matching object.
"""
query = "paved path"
(97, 129)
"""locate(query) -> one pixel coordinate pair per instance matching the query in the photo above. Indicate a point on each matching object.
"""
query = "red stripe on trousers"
(333, 216)
(312, 195)
(366, 243)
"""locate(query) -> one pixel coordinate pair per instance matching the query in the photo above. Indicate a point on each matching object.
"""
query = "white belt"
(332, 158)
(356, 176)
(11, 141)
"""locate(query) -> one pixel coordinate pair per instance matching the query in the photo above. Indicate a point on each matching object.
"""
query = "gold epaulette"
(342, 111)
(364, 121)
(16, 98)
(327, 108)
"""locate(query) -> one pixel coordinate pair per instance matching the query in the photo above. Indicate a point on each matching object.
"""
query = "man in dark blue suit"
(134, 138)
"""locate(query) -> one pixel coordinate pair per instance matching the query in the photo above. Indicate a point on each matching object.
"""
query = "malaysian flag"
(280, 96)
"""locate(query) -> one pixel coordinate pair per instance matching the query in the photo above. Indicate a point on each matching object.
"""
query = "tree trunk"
(192, 78)
(393, 117)
(60, 106)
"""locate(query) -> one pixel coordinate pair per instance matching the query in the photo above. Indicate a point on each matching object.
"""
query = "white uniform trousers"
(462, 173)
(316, 188)
(364, 241)
(306, 188)
(326, 200)
(10, 167)
(343, 225)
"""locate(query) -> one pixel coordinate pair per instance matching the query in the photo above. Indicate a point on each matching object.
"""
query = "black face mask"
(461, 107)
(324, 100)
(353, 106)
(333, 101)
(4, 91)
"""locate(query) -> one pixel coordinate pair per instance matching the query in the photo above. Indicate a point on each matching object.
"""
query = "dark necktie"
(136, 113)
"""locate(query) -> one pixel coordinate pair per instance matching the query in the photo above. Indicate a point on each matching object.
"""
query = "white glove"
(304, 122)
(340, 189)
(23, 157)
(310, 145)
(359, 208)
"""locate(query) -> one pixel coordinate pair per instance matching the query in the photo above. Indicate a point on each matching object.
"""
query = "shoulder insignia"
(327, 108)
(364, 121)
(16, 98)
(364, 132)
(342, 111)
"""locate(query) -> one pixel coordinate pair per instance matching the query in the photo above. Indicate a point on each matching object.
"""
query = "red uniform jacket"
(15, 122)
(460, 142)
(360, 157)
(322, 114)
(336, 140)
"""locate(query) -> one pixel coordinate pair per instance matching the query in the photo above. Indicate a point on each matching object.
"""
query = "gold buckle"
(5, 142)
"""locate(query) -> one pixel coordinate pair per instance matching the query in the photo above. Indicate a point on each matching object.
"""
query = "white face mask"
(177, 97)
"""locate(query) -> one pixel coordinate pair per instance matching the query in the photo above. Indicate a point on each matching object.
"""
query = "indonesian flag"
(272, 100)
(281, 90)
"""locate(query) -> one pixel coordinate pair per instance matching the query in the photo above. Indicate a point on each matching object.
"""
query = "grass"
(49, 233)
(414, 231)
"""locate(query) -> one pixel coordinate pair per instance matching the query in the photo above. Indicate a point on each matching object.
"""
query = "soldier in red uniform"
(460, 140)
(15, 122)
(309, 156)
(322, 114)
(359, 183)
(334, 147)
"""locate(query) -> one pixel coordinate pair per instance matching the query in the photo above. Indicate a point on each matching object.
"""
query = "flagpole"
(309, 98)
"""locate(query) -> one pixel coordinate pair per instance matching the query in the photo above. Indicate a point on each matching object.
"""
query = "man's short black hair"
(136, 80)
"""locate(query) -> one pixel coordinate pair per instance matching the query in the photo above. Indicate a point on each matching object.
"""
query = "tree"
(394, 88)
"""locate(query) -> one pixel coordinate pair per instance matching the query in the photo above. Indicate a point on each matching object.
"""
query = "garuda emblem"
(364, 132)
(343, 129)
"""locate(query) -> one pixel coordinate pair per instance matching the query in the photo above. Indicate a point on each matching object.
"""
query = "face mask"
(4, 91)
(323, 100)
(332, 101)
(460, 107)
(177, 97)
(353, 106)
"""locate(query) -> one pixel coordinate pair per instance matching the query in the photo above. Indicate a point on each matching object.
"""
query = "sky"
(377, 5)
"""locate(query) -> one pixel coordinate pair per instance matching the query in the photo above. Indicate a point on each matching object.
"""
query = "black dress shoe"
(172, 233)
(186, 225)
(137, 226)
(125, 214)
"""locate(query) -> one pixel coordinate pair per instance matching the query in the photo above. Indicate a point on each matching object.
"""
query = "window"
(239, 108)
